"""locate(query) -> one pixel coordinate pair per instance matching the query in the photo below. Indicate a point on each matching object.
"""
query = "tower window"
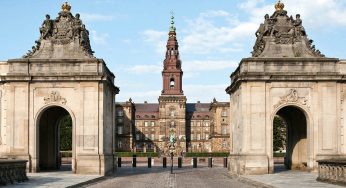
(171, 83)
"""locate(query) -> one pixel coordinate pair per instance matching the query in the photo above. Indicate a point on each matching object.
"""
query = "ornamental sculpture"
(54, 97)
(65, 29)
(283, 36)
(292, 97)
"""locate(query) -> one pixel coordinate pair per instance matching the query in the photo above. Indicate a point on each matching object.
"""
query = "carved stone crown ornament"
(66, 30)
(54, 97)
(283, 36)
(292, 97)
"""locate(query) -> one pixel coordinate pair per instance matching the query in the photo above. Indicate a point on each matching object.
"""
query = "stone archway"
(48, 137)
(296, 137)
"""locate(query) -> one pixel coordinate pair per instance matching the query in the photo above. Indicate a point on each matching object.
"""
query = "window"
(138, 136)
(172, 124)
(171, 83)
(192, 123)
(146, 123)
(207, 136)
(120, 129)
(224, 113)
(120, 113)
(206, 123)
(198, 123)
(120, 120)
(138, 123)
(152, 123)
(224, 129)
(198, 136)
(120, 144)
(152, 137)
(146, 136)
(162, 129)
(172, 113)
(192, 136)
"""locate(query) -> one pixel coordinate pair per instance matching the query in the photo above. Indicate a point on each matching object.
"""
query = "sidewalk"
(288, 179)
(55, 179)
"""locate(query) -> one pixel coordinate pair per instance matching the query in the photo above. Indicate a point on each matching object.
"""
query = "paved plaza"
(289, 179)
(158, 177)
(63, 178)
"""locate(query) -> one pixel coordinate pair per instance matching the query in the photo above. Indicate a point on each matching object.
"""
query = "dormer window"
(172, 83)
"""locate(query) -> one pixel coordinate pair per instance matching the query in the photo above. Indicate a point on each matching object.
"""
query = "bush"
(279, 154)
(66, 133)
(66, 153)
(206, 154)
(138, 154)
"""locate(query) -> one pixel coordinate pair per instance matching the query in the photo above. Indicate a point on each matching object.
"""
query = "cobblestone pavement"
(158, 177)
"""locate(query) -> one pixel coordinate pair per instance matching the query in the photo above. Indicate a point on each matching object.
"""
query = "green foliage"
(138, 154)
(279, 134)
(279, 154)
(65, 126)
(66, 153)
(206, 154)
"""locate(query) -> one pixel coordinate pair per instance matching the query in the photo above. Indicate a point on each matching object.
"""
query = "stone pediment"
(65, 37)
(283, 36)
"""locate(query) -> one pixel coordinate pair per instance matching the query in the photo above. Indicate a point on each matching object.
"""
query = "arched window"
(171, 83)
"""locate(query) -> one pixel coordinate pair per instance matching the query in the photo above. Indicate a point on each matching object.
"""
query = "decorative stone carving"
(282, 30)
(292, 97)
(66, 29)
(54, 97)
(12, 171)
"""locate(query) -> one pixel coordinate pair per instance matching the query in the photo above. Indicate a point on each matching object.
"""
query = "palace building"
(197, 127)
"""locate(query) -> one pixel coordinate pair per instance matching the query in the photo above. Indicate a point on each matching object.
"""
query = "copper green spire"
(172, 28)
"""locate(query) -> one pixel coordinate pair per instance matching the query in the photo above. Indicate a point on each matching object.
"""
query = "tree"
(65, 125)
(279, 134)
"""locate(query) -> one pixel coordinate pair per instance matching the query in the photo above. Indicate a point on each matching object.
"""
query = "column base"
(249, 164)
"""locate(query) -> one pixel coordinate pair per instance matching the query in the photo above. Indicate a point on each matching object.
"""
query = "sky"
(213, 36)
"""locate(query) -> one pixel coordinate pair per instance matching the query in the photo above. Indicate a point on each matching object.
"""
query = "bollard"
(225, 162)
(194, 162)
(119, 161)
(149, 162)
(210, 162)
(164, 162)
(180, 161)
(134, 161)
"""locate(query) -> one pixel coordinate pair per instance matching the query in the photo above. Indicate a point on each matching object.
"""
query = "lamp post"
(172, 141)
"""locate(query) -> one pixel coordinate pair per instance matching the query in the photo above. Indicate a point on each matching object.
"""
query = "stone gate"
(287, 77)
(59, 76)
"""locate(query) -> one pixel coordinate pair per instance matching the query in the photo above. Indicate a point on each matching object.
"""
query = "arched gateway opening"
(295, 141)
(55, 134)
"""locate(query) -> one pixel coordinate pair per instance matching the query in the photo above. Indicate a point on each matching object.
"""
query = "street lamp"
(172, 141)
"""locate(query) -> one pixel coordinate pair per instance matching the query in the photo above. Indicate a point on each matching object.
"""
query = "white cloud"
(316, 14)
(207, 35)
(205, 93)
(140, 69)
(157, 38)
(140, 96)
(91, 17)
(99, 39)
(208, 65)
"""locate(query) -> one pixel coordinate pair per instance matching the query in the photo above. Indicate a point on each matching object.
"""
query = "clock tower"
(172, 101)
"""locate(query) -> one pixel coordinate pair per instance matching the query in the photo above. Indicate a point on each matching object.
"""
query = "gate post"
(134, 160)
(194, 162)
(164, 162)
(149, 162)
(119, 161)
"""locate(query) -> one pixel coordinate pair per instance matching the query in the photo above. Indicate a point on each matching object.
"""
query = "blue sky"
(214, 35)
